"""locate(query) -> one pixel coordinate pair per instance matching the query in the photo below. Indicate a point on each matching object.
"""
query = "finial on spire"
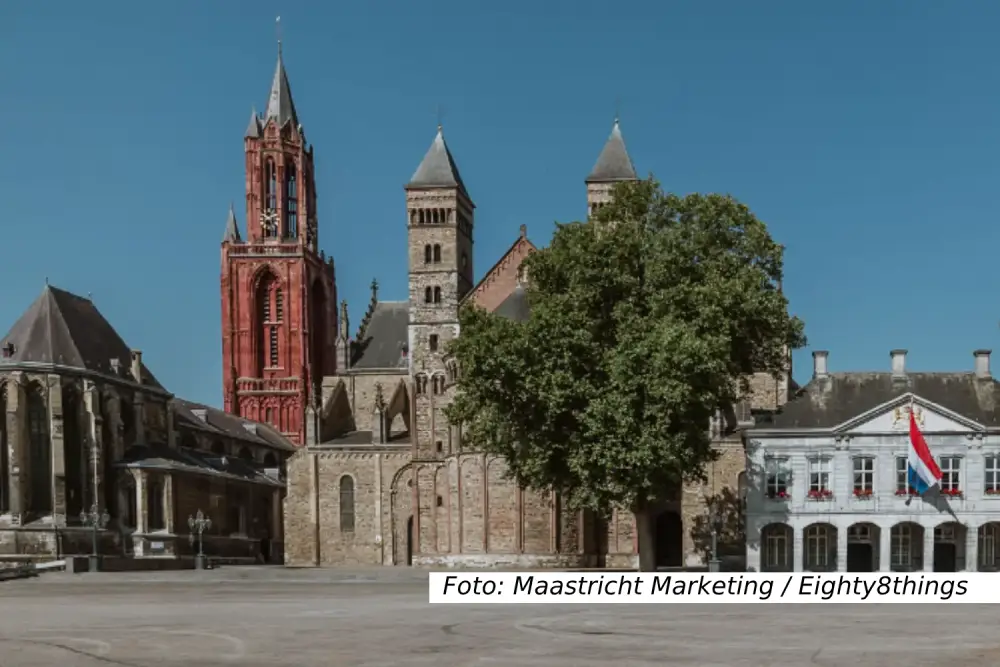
(618, 109)
(440, 117)
(374, 288)
(277, 30)
(46, 281)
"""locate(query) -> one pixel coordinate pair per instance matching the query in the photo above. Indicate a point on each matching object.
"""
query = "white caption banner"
(714, 588)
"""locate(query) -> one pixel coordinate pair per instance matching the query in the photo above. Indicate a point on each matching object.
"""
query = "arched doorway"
(989, 554)
(776, 548)
(949, 547)
(862, 547)
(906, 547)
(409, 541)
(669, 539)
(821, 548)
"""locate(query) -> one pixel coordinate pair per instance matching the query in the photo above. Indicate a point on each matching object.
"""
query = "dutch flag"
(922, 470)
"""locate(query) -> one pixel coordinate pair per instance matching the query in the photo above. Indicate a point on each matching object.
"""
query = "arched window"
(279, 305)
(427, 254)
(40, 459)
(437, 295)
(428, 295)
(437, 253)
(271, 178)
(270, 307)
(291, 202)
(421, 384)
(4, 472)
(346, 504)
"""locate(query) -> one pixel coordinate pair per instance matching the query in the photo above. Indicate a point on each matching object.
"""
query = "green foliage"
(643, 322)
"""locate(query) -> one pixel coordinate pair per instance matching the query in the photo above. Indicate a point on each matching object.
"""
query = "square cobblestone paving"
(381, 618)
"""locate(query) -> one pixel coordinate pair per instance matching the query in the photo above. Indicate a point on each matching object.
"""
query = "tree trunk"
(646, 533)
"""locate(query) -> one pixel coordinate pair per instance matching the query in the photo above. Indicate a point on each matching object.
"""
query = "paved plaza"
(381, 618)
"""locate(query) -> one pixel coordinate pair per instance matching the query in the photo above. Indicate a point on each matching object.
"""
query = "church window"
(40, 458)
(291, 202)
(427, 254)
(273, 344)
(421, 384)
(428, 295)
(433, 340)
(279, 305)
(437, 384)
(437, 295)
(271, 194)
(346, 504)
(437, 253)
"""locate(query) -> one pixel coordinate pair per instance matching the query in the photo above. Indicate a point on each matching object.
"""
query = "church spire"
(232, 234)
(280, 106)
(438, 168)
(614, 163)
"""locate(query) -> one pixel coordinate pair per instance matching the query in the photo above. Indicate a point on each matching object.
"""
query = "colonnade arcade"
(906, 546)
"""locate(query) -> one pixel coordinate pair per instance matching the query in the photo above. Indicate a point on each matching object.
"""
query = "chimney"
(982, 364)
(819, 363)
(137, 366)
(898, 362)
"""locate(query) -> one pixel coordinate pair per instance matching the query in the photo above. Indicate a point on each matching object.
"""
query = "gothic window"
(421, 384)
(4, 473)
(437, 253)
(433, 340)
(428, 295)
(427, 254)
(437, 295)
(279, 305)
(40, 459)
(291, 202)
(271, 176)
(437, 384)
(273, 345)
(154, 504)
(270, 305)
(346, 504)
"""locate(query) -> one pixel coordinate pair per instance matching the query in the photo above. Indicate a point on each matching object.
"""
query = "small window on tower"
(440, 446)
(428, 295)
(427, 254)
(279, 305)
(274, 347)
(434, 342)
(437, 253)
(437, 295)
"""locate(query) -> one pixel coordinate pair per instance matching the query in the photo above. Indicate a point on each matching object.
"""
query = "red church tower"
(279, 294)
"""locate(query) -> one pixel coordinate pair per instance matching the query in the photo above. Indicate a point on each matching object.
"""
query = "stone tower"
(613, 166)
(279, 314)
(439, 225)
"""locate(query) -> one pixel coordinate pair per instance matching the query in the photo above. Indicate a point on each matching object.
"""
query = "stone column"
(842, 532)
(168, 502)
(884, 549)
(17, 478)
(798, 549)
(971, 548)
(57, 447)
(93, 433)
(141, 506)
(928, 549)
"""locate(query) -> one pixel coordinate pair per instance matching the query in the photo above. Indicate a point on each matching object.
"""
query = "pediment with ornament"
(894, 417)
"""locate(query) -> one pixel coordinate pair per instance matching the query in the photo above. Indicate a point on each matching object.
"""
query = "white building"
(826, 476)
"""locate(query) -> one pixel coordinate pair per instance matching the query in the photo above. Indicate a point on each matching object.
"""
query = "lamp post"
(198, 524)
(97, 520)
(714, 519)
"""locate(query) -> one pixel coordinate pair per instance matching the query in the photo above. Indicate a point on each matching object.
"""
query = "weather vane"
(440, 116)
(277, 30)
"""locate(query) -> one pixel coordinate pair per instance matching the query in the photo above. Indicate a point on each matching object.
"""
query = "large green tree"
(644, 321)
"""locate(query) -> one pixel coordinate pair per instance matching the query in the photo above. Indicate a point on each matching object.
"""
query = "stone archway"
(820, 543)
(669, 531)
(906, 547)
(949, 547)
(863, 541)
(988, 541)
(777, 548)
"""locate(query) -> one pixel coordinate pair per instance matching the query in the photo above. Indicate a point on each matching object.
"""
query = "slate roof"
(183, 459)
(218, 421)
(438, 168)
(386, 338)
(614, 163)
(515, 306)
(64, 329)
(829, 401)
(253, 127)
(232, 234)
(279, 104)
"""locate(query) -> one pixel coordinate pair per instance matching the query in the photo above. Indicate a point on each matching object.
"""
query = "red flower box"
(862, 493)
(778, 495)
(952, 493)
(820, 494)
(993, 492)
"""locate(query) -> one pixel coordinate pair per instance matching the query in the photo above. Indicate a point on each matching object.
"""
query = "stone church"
(381, 476)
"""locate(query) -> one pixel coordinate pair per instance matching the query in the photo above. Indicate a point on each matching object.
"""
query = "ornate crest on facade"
(901, 416)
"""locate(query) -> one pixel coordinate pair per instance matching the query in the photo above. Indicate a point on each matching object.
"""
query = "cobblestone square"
(381, 618)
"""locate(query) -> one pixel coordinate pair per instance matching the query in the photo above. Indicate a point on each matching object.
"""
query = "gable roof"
(495, 270)
(63, 329)
(438, 168)
(385, 338)
(206, 418)
(614, 163)
(831, 400)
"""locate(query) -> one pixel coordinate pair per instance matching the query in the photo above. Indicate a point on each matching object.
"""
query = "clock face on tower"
(269, 222)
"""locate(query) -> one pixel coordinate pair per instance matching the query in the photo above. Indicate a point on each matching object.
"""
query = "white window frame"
(820, 469)
(776, 544)
(817, 544)
(903, 487)
(901, 546)
(991, 475)
(777, 480)
(951, 474)
(864, 476)
(988, 546)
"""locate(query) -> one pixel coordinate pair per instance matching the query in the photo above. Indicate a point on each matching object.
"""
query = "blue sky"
(866, 134)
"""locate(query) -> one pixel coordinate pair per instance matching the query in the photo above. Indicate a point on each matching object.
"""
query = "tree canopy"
(644, 321)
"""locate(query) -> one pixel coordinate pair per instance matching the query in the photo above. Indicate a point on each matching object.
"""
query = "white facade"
(846, 505)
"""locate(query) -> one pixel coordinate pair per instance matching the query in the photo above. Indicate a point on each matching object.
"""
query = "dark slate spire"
(232, 234)
(438, 169)
(280, 105)
(253, 127)
(613, 164)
